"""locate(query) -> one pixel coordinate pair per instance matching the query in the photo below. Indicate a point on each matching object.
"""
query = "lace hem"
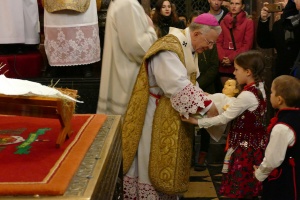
(135, 190)
(72, 45)
(142, 191)
(188, 100)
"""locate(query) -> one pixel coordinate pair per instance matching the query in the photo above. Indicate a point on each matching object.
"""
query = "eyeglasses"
(209, 43)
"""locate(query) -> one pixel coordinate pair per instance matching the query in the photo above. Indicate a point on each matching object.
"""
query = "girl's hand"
(190, 120)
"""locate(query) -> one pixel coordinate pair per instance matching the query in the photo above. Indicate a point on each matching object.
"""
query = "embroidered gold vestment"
(171, 143)
(58, 5)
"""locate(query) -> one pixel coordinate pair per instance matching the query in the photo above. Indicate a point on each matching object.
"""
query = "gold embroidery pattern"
(171, 145)
(171, 150)
(58, 5)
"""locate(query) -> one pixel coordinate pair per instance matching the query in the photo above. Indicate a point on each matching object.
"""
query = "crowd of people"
(160, 71)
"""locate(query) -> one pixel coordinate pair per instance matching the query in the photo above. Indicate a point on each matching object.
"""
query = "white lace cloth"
(66, 46)
(188, 100)
(72, 38)
(10, 86)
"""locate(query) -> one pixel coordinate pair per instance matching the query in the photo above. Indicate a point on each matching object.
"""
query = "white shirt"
(245, 101)
(281, 138)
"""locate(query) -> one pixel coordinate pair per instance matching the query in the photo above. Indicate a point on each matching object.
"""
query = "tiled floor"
(205, 184)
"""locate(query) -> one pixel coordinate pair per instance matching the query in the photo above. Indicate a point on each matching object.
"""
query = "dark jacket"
(287, 48)
(164, 25)
(208, 66)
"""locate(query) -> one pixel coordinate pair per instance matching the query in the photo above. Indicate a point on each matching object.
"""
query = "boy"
(280, 169)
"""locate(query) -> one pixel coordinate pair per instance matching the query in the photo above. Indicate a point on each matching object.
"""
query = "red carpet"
(36, 166)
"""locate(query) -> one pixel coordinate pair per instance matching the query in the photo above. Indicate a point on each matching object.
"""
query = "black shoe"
(199, 167)
(51, 72)
(87, 72)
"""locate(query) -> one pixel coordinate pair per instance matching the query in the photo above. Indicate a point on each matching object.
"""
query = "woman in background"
(165, 17)
(237, 36)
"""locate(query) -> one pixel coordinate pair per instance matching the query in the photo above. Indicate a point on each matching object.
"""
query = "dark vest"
(248, 129)
(284, 181)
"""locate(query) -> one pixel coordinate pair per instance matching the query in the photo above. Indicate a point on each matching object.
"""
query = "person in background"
(217, 9)
(280, 171)
(237, 36)
(183, 18)
(152, 11)
(19, 21)
(164, 88)
(165, 17)
(208, 67)
(211, 79)
(247, 136)
(283, 36)
(127, 38)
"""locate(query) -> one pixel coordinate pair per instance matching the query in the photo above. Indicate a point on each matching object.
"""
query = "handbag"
(59, 5)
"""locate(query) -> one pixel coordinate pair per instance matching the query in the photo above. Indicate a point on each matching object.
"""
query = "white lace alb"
(69, 46)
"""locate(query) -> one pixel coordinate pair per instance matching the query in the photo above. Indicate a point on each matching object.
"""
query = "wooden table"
(97, 176)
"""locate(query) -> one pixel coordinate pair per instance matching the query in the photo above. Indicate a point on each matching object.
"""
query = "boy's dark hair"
(288, 87)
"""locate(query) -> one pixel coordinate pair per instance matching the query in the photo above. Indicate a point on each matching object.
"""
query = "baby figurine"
(222, 102)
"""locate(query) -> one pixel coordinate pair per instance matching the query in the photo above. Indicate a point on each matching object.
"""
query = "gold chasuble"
(171, 142)
(58, 5)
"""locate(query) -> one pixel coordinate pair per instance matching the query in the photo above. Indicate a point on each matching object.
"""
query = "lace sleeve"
(189, 100)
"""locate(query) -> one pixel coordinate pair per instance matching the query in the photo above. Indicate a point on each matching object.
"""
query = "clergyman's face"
(203, 41)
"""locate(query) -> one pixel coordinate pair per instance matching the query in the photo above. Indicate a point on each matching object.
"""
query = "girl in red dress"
(247, 135)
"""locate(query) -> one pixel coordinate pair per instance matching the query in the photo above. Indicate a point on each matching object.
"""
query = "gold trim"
(58, 5)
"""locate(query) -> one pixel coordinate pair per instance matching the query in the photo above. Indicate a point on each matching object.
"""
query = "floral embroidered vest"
(248, 129)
